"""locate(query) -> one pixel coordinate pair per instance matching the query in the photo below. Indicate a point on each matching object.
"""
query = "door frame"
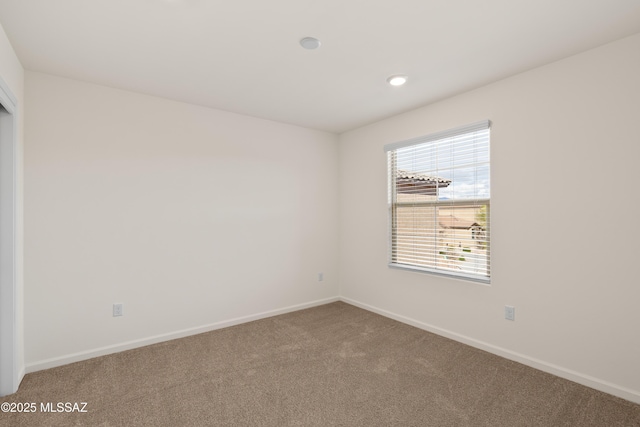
(10, 367)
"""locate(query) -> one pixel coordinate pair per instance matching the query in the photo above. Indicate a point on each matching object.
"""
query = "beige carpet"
(330, 365)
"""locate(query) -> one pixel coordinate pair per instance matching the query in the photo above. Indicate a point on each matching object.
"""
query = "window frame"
(393, 203)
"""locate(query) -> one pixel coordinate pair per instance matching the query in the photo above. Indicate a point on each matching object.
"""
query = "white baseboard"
(586, 380)
(102, 351)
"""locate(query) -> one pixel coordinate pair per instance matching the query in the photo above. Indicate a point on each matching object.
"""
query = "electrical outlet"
(117, 310)
(509, 312)
(320, 277)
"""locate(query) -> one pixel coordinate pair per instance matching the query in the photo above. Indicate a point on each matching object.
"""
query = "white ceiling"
(243, 56)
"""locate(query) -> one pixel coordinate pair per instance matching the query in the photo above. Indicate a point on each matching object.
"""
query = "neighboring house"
(418, 184)
(462, 227)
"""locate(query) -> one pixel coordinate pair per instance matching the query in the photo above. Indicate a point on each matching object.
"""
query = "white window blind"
(439, 202)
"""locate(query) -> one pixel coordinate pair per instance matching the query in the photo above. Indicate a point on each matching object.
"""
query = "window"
(439, 203)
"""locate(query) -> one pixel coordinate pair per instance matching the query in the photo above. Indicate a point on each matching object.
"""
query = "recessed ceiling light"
(310, 43)
(397, 80)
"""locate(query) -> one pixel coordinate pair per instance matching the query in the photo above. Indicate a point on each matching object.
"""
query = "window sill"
(449, 275)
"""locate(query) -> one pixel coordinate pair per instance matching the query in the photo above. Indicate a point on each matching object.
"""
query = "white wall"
(193, 218)
(12, 74)
(565, 153)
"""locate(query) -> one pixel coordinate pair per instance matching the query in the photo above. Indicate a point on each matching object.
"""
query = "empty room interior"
(231, 214)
